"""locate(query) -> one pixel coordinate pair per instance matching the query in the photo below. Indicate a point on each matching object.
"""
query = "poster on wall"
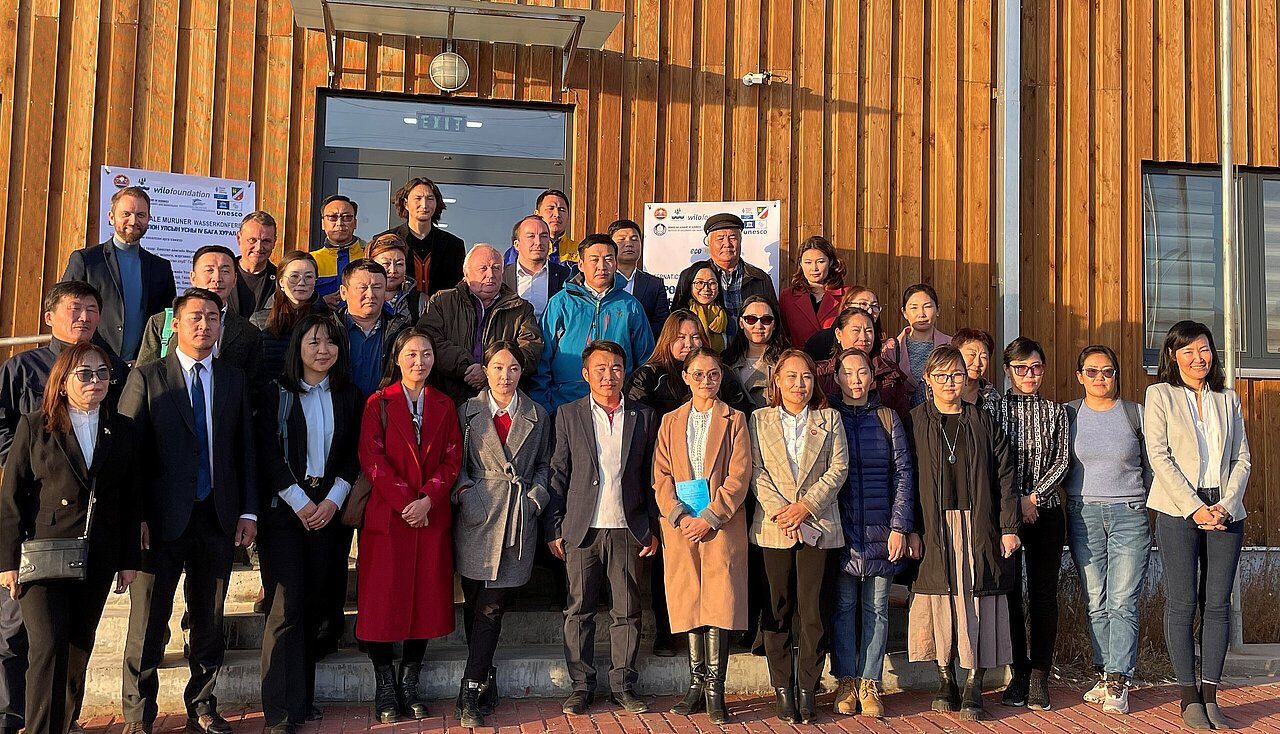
(187, 212)
(673, 238)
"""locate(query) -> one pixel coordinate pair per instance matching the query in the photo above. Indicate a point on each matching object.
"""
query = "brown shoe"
(846, 697)
(869, 699)
(137, 727)
(209, 724)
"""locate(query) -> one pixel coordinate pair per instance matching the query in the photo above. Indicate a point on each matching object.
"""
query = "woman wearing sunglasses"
(1107, 525)
(68, 458)
(1038, 435)
(754, 350)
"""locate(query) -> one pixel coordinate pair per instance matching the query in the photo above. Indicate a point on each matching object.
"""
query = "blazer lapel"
(113, 267)
(522, 422)
(587, 426)
(231, 333)
(811, 442)
(103, 448)
(220, 395)
(774, 445)
(715, 436)
(176, 387)
(70, 446)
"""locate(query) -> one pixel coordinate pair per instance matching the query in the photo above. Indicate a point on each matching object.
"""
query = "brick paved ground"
(1253, 708)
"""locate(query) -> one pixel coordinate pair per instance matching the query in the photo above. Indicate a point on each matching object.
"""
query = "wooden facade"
(879, 133)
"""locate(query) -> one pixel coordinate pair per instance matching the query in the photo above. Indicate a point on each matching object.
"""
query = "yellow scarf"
(714, 321)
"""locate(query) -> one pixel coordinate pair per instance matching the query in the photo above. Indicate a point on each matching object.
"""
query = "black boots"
(1038, 691)
(971, 705)
(717, 666)
(785, 705)
(414, 707)
(489, 692)
(695, 699)
(947, 700)
(805, 708)
(468, 707)
(385, 702)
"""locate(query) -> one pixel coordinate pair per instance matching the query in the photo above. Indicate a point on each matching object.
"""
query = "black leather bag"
(58, 559)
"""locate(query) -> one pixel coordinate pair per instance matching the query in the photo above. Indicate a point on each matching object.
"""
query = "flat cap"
(723, 220)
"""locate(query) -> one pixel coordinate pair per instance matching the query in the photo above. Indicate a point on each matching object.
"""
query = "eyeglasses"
(752, 319)
(870, 307)
(1093, 372)
(700, 376)
(944, 378)
(295, 279)
(705, 285)
(339, 217)
(1021, 370)
(86, 375)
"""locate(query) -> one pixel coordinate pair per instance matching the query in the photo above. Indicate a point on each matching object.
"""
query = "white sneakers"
(1098, 693)
(1117, 700)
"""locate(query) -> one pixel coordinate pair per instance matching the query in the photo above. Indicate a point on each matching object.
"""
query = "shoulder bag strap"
(93, 500)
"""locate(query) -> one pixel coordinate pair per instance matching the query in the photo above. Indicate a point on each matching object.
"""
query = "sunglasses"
(1021, 370)
(86, 375)
(1093, 372)
(752, 319)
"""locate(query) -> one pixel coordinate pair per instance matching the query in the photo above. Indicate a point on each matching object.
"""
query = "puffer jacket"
(879, 494)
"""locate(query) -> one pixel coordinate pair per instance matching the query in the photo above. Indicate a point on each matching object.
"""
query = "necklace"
(951, 443)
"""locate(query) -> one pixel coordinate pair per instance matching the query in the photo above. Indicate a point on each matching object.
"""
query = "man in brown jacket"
(479, 311)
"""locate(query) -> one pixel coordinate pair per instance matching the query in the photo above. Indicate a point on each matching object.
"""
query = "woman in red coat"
(411, 451)
(817, 286)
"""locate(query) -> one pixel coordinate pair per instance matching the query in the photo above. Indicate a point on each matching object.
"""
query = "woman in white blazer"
(1199, 457)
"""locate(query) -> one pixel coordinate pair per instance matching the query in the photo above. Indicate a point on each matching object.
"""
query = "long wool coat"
(707, 581)
(406, 574)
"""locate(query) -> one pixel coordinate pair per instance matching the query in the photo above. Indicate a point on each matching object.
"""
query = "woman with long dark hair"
(70, 470)
(308, 427)
(817, 288)
(1199, 455)
(411, 450)
(754, 349)
(295, 297)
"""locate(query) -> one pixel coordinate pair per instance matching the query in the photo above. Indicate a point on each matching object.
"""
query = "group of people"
(773, 459)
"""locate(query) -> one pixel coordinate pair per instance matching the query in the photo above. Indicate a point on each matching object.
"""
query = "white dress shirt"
(609, 509)
(206, 379)
(1208, 437)
(496, 411)
(629, 284)
(316, 402)
(534, 287)
(793, 435)
(85, 425)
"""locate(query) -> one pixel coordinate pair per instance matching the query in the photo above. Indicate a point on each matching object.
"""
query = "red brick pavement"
(1252, 708)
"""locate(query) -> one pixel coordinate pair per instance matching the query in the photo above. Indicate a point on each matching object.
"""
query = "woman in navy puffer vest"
(876, 514)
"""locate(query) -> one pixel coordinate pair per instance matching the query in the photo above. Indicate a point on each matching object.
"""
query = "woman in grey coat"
(500, 492)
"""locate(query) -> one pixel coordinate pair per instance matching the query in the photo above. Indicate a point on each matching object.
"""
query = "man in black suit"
(534, 276)
(255, 273)
(198, 488)
(648, 289)
(134, 284)
(435, 255)
(239, 343)
(601, 521)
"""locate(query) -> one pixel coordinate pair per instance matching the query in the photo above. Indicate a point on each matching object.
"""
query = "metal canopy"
(469, 20)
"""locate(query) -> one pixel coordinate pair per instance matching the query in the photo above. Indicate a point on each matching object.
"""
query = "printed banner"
(673, 238)
(187, 212)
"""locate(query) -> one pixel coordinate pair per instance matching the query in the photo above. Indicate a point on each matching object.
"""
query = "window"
(1182, 256)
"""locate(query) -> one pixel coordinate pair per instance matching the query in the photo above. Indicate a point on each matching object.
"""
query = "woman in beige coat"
(800, 459)
(706, 553)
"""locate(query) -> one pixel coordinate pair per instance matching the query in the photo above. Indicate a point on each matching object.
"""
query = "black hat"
(723, 220)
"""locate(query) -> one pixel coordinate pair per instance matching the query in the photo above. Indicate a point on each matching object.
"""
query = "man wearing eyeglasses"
(340, 246)
(72, 310)
(739, 279)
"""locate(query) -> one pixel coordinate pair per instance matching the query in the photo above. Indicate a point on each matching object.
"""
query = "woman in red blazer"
(411, 451)
(817, 285)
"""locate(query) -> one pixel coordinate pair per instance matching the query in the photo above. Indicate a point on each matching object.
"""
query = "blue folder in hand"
(694, 494)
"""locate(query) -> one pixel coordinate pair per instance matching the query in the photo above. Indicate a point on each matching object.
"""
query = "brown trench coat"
(706, 582)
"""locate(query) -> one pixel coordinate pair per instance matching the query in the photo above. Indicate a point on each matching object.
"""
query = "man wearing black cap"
(739, 280)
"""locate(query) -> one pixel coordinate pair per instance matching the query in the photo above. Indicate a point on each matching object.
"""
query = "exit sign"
(441, 123)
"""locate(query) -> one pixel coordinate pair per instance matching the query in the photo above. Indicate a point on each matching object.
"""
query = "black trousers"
(482, 610)
(611, 556)
(204, 552)
(304, 575)
(797, 613)
(1042, 555)
(63, 622)
(658, 596)
(13, 663)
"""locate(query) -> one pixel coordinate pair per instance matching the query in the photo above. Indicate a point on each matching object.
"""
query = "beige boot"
(869, 699)
(846, 697)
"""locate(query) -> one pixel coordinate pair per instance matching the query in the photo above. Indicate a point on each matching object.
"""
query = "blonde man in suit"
(1200, 462)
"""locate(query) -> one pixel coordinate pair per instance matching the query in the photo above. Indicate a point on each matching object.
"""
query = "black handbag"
(58, 559)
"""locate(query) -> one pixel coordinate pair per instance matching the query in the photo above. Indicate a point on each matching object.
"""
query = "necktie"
(204, 475)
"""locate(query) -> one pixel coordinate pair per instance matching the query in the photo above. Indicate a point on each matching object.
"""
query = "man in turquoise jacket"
(593, 305)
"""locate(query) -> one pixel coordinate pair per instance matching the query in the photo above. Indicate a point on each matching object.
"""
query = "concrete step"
(524, 671)
(1253, 661)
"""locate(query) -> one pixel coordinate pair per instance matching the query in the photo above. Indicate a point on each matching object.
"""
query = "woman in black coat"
(308, 423)
(70, 456)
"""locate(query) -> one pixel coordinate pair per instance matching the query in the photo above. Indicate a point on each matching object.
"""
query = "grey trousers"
(611, 555)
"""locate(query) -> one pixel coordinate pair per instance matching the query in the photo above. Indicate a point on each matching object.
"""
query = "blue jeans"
(1111, 544)
(857, 646)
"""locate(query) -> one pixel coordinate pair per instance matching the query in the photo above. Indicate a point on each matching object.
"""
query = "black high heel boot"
(947, 700)
(385, 703)
(695, 699)
(971, 706)
(717, 666)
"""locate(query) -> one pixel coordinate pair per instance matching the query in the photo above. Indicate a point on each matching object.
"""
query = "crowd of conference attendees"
(772, 462)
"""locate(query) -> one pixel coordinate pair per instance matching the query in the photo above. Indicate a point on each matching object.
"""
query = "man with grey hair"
(463, 320)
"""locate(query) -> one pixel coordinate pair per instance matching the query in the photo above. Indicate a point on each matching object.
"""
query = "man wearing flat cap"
(739, 280)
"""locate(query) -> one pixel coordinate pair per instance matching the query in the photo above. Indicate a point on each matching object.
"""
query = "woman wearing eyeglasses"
(294, 298)
(967, 515)
(707, 303)
(1107, 525)
(754, 350)
(68, 458)
(1039, 437)
(817, 287)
